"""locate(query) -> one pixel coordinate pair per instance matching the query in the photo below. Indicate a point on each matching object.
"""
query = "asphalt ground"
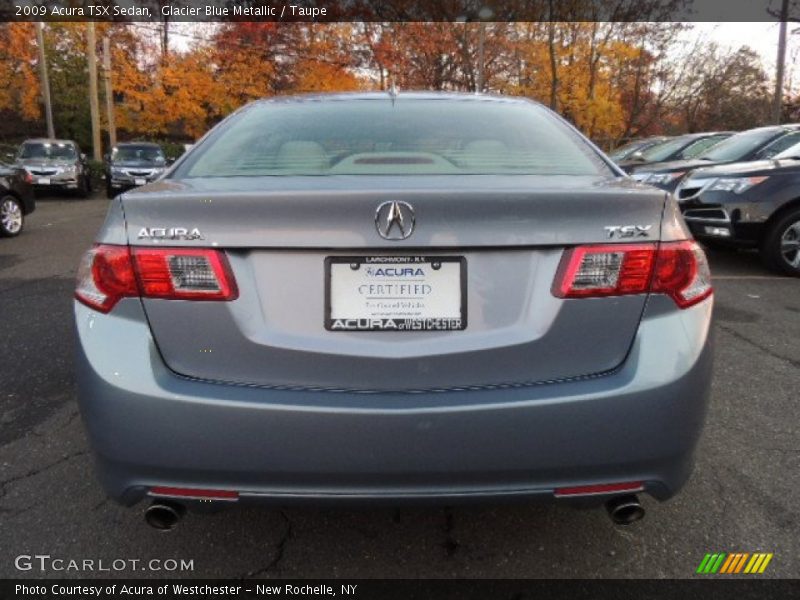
(743, 496)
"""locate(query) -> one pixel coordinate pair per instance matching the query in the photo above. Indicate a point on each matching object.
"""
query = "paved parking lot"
(742, 497)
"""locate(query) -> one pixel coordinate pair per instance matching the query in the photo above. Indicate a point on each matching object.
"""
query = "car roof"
(48, 141)
(775, 128)
(149, 144)
(399, 95)
(700, 134)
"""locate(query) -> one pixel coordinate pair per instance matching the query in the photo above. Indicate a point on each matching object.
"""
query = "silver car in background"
(380, 297)
(131, 164)
(55, 165)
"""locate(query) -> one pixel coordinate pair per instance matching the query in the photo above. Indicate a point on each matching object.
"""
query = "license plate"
(395, 293)
(139, 181)
(43, 181)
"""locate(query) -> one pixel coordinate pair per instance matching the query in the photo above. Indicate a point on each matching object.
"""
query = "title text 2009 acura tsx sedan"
(393, 297)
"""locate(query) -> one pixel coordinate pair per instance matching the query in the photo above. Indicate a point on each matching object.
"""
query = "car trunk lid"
(280, 233)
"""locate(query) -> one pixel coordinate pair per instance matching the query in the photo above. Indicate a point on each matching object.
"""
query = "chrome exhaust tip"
(625, 510)
(164, 515)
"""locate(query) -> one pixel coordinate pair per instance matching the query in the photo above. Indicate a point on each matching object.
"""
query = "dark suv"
(132, 164)
(751, 204)
(754, 144)
(16, 199)
(55, 165)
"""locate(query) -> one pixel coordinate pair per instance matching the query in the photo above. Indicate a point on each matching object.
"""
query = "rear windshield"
(627, 150)
(47, 150)
(790, 152)
(739, 145)
(404, 137)
(664, 150)
(138, 153)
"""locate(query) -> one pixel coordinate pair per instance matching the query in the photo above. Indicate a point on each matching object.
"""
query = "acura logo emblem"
(395, 220)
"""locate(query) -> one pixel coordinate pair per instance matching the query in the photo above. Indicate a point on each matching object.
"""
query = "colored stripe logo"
(734, 563)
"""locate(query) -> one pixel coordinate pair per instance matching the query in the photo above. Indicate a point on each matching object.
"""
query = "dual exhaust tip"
(625, 510)
(165, 515)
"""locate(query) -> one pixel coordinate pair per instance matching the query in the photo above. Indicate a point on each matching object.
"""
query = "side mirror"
(10, 155)
(170, 161)
(83, 156)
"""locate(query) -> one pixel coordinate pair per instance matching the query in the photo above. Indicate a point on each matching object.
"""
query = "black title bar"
(393, 10)
(710, 588)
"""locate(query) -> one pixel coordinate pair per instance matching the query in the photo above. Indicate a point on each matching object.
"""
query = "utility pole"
(91, 57)
(45, 81)
(112, 128)
(484, 14)
(777, 101)
(481, 58)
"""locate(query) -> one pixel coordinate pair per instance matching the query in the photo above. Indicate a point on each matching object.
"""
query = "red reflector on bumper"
(194, 493)
(605, 488)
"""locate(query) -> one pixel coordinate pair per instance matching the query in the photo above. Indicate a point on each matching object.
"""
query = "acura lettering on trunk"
(367, 297)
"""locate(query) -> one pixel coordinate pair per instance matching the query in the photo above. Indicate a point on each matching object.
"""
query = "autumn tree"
(626, 74)
(729, 90)
(19, 80)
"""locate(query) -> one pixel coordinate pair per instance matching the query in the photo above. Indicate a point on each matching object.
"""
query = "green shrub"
(5, 150)
(172, 149)
(96, 171)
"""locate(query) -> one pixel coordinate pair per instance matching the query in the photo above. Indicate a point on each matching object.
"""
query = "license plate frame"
(139, 181)
(42, 181)
(399, 324)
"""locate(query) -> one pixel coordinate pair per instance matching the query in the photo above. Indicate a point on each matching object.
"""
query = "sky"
(761, 37)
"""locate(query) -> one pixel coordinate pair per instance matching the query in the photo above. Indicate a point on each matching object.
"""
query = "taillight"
(682, 273)
(678, 269)
(108, 273)
(104, 276)
(184, 274)
(607, 270)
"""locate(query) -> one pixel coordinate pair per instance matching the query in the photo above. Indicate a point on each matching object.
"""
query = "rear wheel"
(780, 248)
(11, 217)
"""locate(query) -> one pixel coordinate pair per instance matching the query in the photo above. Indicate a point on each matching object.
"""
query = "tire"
(12, 220)
(780, 248)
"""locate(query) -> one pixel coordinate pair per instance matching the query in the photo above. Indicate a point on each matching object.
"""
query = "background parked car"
(682, 147)
(626, 151)
(753, 204)
(753, 144)
(55, 165)
(16, 199)
(132, 164)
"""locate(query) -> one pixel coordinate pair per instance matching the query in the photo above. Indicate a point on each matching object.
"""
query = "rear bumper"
(57, 184)
(149, 427)
(127, 184)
